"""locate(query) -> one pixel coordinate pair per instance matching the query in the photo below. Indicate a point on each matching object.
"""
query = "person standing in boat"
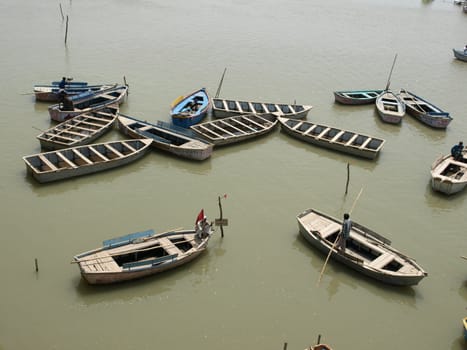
(62, 83)
(345, 232)
(456, 151)
(203, 228)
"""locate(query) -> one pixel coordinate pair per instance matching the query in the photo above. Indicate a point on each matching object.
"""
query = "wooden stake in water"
(66, 29)
(36, 264)
(348, 178)
(61, 11)
(221, 221)
(337, 239)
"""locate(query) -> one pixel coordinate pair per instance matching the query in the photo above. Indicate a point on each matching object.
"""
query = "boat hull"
(333, 138)
(424, 111)
(235, 129)
(140, 255)
(182, 112)
(80, 130)
(170, 141)
(390, 108)
(449, 176)
(72, 162)
(460, 55)
(356, 97)
(223, 108)
(408, 274)
(96, 100)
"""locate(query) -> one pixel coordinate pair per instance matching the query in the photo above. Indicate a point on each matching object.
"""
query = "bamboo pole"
(390, 73)
(337, 239)
(220, 84)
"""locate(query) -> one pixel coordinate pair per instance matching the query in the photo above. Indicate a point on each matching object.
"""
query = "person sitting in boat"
(456, 151)
(203, 228)
(62, 83)
(345, 232)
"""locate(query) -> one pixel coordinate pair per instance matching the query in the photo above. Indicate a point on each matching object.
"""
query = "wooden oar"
(337, 239)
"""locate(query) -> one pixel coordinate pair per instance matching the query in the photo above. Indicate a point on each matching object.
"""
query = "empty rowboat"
(83, 160)
(80, 130)
(337, 139)
(236, 129)
(222, 108)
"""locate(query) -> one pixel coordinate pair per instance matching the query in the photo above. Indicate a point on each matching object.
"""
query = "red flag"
(225, 196)
(200, 216)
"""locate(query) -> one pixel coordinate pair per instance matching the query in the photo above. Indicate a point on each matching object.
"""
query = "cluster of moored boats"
(86, 112)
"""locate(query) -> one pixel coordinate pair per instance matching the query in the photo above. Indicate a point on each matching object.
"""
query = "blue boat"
(191, 109)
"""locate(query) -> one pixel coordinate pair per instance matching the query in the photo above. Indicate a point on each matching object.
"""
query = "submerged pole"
(36, 264)
(285, 346)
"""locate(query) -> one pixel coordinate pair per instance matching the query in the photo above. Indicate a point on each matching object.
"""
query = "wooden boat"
(176, 140)
(80, 130)
(191, 109)
(366, 252)
(223, 108)
(424, 111)
(51, 93)
(235, 129)
(87, 102)
(83, 160)
(140, 254)
(448, 175)
(356, 97)
(341, 140)
(460, 54)
(390, 107)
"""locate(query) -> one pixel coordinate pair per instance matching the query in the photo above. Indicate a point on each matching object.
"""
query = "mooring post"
(348, 178)
(285, 346)
(37, 265)
(220, 210)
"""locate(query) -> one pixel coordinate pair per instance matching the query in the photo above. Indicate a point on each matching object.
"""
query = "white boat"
(80, 130)
(235, 129)
(448, 175)
(140, 254)
(390, 107)
(341, 140)
(366, 251)
(83, 160)
(169, 138)
(223, 108)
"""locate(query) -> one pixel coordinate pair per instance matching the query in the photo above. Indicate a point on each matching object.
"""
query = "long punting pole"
(337, 239)
(390, 73)
(220, 84)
